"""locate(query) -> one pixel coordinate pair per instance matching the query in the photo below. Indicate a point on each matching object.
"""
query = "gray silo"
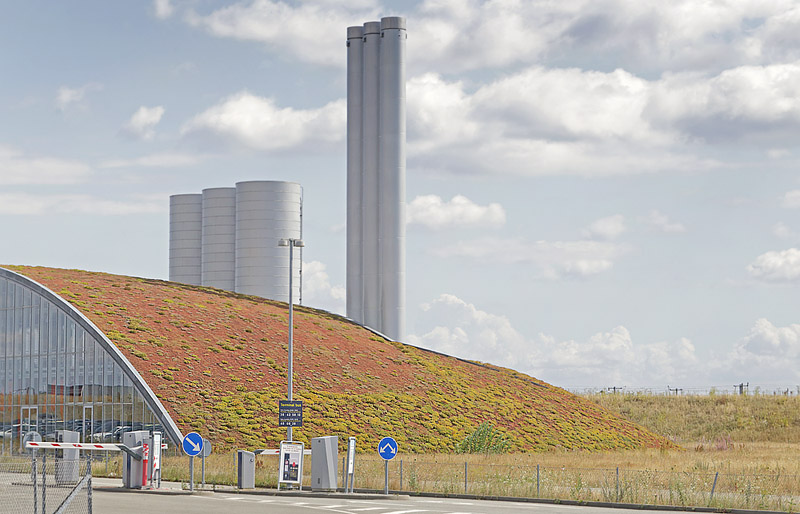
(267, 211)
(376, 85)
(218, 264)
(355, 53)
(185, 235)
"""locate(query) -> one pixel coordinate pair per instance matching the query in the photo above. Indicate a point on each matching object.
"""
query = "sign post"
(387, 449)
(291, 464)
(192, 445)
(206, 452)
(155, 461)
(351, 457)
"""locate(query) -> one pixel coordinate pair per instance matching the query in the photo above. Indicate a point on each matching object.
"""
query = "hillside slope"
(756, 417)
(218, 362)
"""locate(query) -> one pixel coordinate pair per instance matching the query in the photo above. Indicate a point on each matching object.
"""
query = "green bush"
(485, 439)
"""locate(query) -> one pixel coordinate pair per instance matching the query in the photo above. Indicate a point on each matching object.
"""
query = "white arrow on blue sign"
(387, 448)
(192, 444)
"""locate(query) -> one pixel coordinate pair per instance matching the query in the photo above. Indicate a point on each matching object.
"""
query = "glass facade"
(58, 372)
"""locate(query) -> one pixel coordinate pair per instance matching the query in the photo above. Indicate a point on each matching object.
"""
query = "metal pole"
(617, 486)
(291, 330)
(89, 473)
(537, 480)
(713, 487)
(44, 482)
(465, 477)
(33, 477)
(401, 474)
(386, 477)
(203, 467)
(191, 473)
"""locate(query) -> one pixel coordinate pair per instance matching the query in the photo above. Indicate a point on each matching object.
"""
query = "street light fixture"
(291, 243)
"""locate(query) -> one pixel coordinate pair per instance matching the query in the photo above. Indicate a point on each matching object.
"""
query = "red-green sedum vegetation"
(218, 360)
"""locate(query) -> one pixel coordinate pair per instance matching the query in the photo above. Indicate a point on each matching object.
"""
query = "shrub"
(485, 439)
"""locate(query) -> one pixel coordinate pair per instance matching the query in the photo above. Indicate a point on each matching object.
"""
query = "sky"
(600, 193)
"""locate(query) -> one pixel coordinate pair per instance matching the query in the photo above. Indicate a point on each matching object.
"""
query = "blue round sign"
(192, 444)
(387, 448)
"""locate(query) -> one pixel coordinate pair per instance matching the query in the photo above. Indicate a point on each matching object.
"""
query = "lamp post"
(291, 243)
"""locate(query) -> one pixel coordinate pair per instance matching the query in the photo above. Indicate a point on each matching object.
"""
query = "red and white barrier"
(80, 446)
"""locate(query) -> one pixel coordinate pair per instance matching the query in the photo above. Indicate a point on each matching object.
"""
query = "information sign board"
(291, 463)
(290, 413)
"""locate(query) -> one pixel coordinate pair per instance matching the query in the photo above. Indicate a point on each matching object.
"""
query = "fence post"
(33, 477)
(89, 473)
(465, 476)
(44, 482)
(713, 487)
(537, 481)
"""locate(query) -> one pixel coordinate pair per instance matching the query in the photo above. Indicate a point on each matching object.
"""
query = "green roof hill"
(218, 362)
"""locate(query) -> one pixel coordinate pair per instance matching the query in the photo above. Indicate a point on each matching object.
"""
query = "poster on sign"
(155, 475)
(291, 463)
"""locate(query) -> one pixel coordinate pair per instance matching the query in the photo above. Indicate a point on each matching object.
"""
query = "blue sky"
(600, 193)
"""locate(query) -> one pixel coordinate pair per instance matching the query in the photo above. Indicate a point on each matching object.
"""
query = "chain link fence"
(778, 492)
(45, 484)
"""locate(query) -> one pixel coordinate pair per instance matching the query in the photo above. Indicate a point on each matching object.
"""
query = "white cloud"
(28, 204)
(782, 231)
(257, 123)
(768, 354)
(310, 31)
(791, 200)
(17, 168)
(143, 122)
(433, 212)
(661, 222)
(157, 160)
(318, 291)
(451, 36)
(777, 266)
(68, 97)
(453, 326)
(554, 259)
(610, 227)
(163, 9)
(462, 330)
(541, 122)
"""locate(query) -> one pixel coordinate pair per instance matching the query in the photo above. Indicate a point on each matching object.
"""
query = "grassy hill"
(218, 362)
(753, 418)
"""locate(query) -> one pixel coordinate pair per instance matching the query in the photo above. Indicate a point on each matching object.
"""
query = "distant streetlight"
(291, 243)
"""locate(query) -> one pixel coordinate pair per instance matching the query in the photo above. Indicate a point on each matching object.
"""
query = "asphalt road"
(116, 502)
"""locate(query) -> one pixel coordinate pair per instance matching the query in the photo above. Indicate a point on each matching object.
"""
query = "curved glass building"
(58, 371)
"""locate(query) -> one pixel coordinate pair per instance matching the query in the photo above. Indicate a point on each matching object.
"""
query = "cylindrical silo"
(392, 175)
(185, 234)
(218, 264)
(371, 258)
(355, 47)
(267, 211)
